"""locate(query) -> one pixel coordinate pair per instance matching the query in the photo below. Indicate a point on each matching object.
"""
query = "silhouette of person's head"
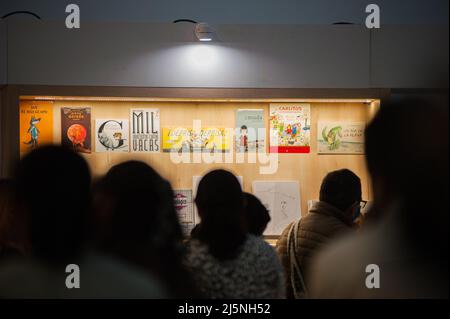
(256, 215)
(138, 203)
(53, 187)
(407, 157)
(137, 222)
(220, 206)
(342, 189)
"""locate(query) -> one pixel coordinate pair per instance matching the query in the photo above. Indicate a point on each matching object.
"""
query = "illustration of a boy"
(243, 138)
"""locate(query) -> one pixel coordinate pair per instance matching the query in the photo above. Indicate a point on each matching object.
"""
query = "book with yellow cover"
(36, 124)
(182, 139)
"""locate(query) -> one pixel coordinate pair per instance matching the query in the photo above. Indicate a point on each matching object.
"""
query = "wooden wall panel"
(308, 169)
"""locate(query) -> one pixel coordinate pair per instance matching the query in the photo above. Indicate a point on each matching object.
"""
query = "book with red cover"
(76, 128)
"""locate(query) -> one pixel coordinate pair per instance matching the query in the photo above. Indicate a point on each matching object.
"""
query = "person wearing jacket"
(402, 248)
(339, 205)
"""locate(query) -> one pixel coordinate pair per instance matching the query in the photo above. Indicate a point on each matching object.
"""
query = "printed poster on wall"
(145, 130)
(282, 200)
(112, 135)
(290, 126)
(182, 139)
(340, 138)
(184, 206)
(36, 124)
(250, 131)
(76, 128)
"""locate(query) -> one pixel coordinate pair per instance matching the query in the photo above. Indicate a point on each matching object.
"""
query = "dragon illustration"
(332, 138)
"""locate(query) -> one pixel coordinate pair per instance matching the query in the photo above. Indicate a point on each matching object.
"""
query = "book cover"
(145, 130)
(76, 128)
(290, 126)
(250, 131)
(181, 139)
(36, 124)
(340, 138)
(112, 135)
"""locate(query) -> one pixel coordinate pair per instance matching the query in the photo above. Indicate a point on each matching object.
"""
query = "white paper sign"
(282, 199)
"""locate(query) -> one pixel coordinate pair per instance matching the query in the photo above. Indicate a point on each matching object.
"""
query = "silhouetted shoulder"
(100, 277)
(342, 269)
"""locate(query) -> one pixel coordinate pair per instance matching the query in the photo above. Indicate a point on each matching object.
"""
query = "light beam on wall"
(202, 56)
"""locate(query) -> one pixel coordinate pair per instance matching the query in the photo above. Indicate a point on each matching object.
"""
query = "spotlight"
(204, 32)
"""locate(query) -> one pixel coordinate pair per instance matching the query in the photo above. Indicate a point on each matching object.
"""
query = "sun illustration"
(77, 134)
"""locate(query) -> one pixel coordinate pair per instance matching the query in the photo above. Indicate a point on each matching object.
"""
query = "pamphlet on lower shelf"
(282, 199)
(184, 206)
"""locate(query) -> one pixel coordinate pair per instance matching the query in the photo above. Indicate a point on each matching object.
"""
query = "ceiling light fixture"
(204, 32)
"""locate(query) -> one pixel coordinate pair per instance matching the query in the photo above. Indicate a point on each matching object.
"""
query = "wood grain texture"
(308, 169)
(198, 93)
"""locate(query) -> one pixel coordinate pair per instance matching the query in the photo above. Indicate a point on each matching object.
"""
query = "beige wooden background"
(308, 169)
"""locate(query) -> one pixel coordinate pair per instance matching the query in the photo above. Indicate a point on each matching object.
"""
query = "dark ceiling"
(239, 11)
